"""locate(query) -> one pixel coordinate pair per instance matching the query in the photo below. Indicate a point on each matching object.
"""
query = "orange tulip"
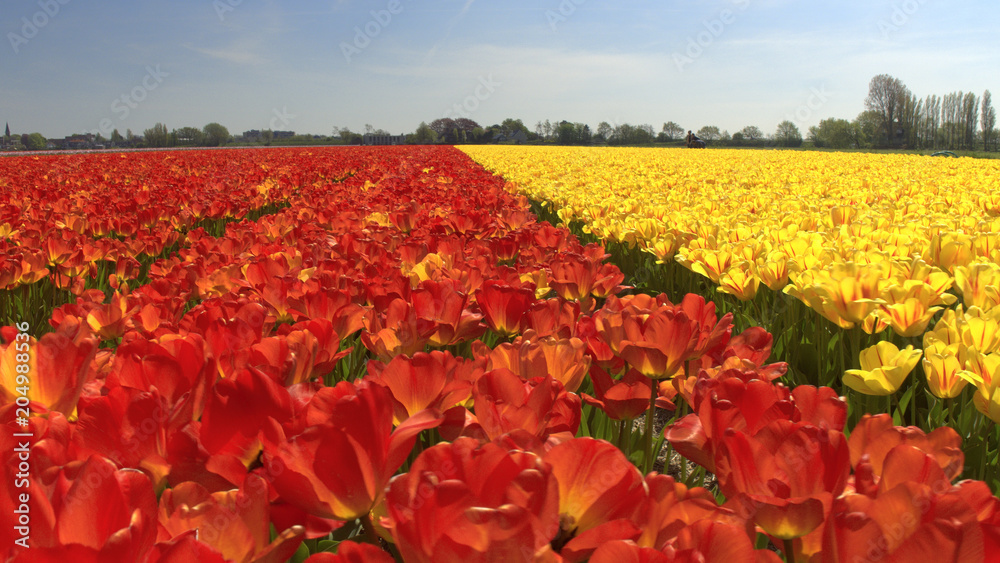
(338, 466)
(541, 406)
(473, 503)
(622, 399)
(600, 491)
(436, 381)
(350, 552)
(92, 511)
(443, 304)
(60, 367)
(504, 307)
(235, 523)
(565, 360)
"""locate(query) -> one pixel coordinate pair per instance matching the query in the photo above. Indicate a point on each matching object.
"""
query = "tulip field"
(497, 353)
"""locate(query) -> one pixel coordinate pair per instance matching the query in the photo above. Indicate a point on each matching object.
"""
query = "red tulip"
(622, 399)
(60, 366)
(466, 502)
(553, 317)
(339, 465)
(91, 511)
(445, 305)
(236, 523)
(600, 491)
(350, 552)
(875, 436)
(541, 406)
(436, 381)
(564, 360)
(504, 307)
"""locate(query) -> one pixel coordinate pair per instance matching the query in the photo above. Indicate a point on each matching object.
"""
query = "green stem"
(622, 444)
(648, 459)
(789, 552)
(370, 534)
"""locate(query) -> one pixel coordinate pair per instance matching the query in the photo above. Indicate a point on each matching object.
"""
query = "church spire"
(7, 134)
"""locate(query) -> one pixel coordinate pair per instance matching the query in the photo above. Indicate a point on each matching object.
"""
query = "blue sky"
(83, 65)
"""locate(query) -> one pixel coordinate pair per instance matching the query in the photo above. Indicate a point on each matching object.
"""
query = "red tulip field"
(377, 354)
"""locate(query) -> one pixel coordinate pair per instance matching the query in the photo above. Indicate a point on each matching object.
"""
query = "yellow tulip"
(987, 401)
(942, 367)
(739, 281)
(978, 284)
(884, 367)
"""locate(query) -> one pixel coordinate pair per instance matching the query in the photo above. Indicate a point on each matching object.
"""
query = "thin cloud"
(447, 34)
(239, 55)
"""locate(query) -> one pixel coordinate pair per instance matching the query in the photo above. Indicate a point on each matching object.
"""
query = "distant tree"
(36, 142)
(189, 136)
(129, 137)
(567, 133)
(788, 134)
(157, 136)
(885, 94)
(347, 136)
(988, 120)
(627, 134)
(672, 131)
(864, 129)
(466, 124)
(833, 133)
(709, 133)
(738, 138)
(751, 133)
(216, 135)
(424, 135)
(116, 137)
(511, 126)
(604, 131)
(25, 139)
(267, 137)
(970, 115)
(446, 129)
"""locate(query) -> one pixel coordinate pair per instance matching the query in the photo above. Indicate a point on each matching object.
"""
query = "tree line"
(212, 135)
(894, 117)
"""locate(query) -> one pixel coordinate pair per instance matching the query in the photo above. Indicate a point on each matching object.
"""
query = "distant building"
(84, 141)
(517, 137)
(383, 140)
(284, 134)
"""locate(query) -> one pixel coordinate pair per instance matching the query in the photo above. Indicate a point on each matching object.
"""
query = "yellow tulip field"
(900, 253)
